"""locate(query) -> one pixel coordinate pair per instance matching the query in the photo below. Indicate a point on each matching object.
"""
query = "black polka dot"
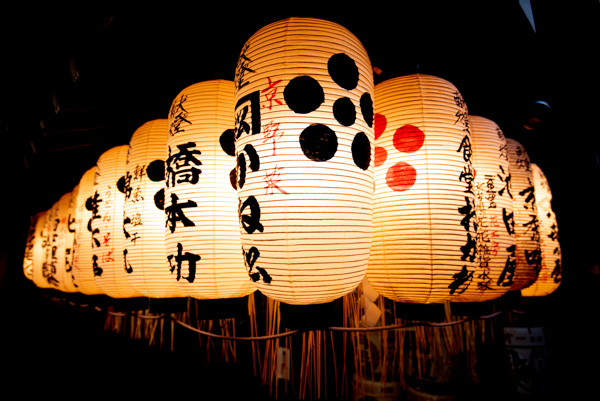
(159, 199)
(156, 170)
(318, 142)
(361, 151)
(120, 186)
(344, 111)
(343, 71)
(303, 94)
(366, 108)
(233, 178)
(227, 141)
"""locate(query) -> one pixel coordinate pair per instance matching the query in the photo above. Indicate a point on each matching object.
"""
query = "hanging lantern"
(52, 267)
(550, 275)
(83, 270)
(202, 228)
(33, 242)
(143, 216)
(304, 111)
(69, 241)
(424, 238)
(525, 220)
(494, 203)
(106, 225)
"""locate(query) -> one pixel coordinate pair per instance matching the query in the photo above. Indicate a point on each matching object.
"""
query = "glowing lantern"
(202, 227)
(526, 223)
(304, 111)
(106, 224)
(83, 271)
(493, 197)
(33, 243)
(424, 207)
(550, 275)
(69, 242)
(143, 216)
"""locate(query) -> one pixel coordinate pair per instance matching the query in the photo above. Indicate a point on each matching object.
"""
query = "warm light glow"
(142, 185)
(493, 197)
(550, 275)
(106, 223)
(83, 272)
(304, 114)
(424, 207)
(526, 222)
(33, 244)
(202, 226)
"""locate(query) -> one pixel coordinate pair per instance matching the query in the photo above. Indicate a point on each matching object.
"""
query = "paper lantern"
(83, 270)
(494, 205)
(69, 241)
(424, 238)
(550, 275)
(106, 225)
(142, 185)
(304, 111)
(33, 242)
(51, 273)
(202, 227)
(526, 223)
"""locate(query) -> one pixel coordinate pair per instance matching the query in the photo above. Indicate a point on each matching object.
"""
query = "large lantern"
(550, 275)
(524, 271)
(83, 271)
(494, 205)
(424, 238)
(106, 225)
(142, 185)
(202, 227)
(304, 111)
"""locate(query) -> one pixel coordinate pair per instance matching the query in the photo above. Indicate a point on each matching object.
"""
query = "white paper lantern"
(304, 90)
(493, 197)
(106, 224)
(526, 223)
(550, 275)
(69, 241)
(34, 240)
(144, 249)
(83, 271)
(424, 238)
(202, 228)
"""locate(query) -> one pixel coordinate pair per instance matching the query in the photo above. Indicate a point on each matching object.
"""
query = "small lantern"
(202, 233)
(424, 238)
(142, 185)
(106, 225)
(52, 257)
(69, 241)
(550, 275)
(33, 244)
(83, 271)
(303, 135)
(493, 197)
(524, 271)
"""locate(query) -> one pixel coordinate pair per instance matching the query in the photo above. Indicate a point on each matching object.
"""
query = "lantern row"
(301, 178)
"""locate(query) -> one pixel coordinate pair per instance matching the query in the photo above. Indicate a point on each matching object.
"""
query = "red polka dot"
(380, 156)
(380, 124)
(401, 176)
(408, 139)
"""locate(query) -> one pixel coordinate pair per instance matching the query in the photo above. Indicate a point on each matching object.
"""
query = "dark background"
(131, 61)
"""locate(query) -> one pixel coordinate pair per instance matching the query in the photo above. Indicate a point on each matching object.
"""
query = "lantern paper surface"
(304, 114)
(69, 242)
(493, 197)
(32, 260)
(33, 240)
(202, 233)
(143, 213)
(106, 224)
(424, 238)
(550, 275)
(52, 272)
(83, 269)
(525, 219)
